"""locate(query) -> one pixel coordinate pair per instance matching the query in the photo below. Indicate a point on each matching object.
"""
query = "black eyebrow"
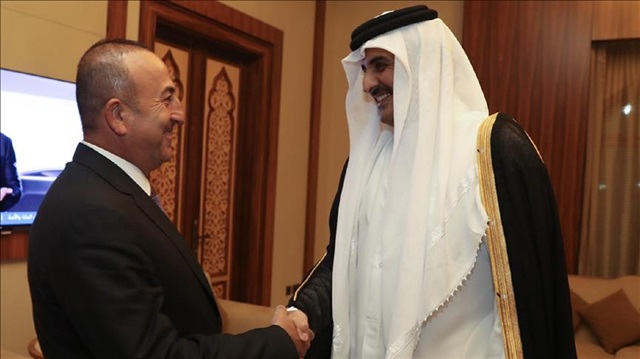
(375, 60)
(379, 58)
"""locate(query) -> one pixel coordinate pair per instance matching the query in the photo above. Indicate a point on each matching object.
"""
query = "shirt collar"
(129, 168)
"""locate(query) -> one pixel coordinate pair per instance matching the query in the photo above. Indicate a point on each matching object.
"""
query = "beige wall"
(15, 308)
(296, 20)
(341, 18)
(46, 38)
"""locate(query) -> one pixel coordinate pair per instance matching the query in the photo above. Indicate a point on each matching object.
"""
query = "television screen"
(40, 117)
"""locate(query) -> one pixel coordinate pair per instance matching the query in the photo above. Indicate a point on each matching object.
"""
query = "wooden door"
(219, 189)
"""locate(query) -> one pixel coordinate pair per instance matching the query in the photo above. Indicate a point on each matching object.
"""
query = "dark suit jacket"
(111, 277)
(9, 175)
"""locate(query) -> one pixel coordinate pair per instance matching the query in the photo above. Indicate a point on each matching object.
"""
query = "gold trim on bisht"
(497, 245)
(295, 294)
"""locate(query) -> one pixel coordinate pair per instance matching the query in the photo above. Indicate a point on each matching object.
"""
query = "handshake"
(295, 323)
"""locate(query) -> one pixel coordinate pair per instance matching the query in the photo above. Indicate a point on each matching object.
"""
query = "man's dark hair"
(102, 75)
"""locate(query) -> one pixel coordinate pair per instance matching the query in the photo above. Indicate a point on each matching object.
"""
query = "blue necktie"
(155, 198)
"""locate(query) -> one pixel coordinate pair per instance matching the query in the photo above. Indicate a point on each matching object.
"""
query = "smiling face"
(154, 114)
(377, 66)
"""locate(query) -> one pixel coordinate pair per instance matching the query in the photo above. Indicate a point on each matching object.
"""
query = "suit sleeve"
(534, 243)
(101, 269)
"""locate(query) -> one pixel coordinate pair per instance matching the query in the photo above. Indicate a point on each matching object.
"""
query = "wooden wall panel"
(117, 19)
(14, 245)
(532, 59)
(616, 20)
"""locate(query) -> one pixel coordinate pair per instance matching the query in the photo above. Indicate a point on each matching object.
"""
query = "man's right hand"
(281, 318)
(5, 191)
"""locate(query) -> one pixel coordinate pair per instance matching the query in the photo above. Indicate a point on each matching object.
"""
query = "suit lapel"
(161, 220)
(115, 176)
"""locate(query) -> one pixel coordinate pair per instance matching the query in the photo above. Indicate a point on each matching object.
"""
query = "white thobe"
(367, 314)
(467, 326)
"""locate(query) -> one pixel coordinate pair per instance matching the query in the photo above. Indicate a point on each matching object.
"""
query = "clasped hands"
(295, 323)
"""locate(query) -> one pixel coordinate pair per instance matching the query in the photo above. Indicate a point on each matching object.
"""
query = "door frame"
(263, 44)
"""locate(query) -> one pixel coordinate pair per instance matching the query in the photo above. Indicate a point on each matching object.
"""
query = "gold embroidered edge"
(499, 259)
(295, 294)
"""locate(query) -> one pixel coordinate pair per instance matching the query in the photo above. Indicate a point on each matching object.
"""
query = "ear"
(114, 115)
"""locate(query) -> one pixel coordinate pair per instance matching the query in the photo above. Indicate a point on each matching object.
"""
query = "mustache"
(380, 89)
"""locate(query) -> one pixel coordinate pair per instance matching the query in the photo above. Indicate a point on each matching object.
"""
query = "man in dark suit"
(10, 187)
(109, 274)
